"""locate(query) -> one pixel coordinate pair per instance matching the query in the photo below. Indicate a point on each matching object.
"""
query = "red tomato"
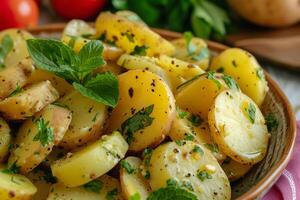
(18, 13)
(78, 9)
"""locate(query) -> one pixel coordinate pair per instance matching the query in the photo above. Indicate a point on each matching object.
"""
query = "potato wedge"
(14, 77)
(132, 182)
(245, 69)
(234, 170)
(31, 100)
(238, 127)
(15, 187)
(77, 27)
(196, 96)
(37, 136)
(61, 85)
(91, 161)
(182, 53)
(190, 165)
(128, 35)
(139, 91)
(109, 188)
(19, 51)
(5, 139)
(88, 120)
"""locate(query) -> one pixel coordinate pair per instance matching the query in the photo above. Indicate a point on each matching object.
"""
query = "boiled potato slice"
(182, 53)
(42, 179)
(190, 165)
(77, 27)
(88, 120)
(14, 77)
(110, 66)
(15, 187)
(139, 91)
(5, 139)
(179, 67)
(234, 170)
(90, 162)
(198, 95)
(238, 127)
(36, 137)
(107, 188)
(128, 35)
(61, 85)
(245, 69)
(132, 16)
(185, 128)
(27, 102)
(19, 51)
(133, 182)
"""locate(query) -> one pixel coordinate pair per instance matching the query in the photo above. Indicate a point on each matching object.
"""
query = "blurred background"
(269, 29)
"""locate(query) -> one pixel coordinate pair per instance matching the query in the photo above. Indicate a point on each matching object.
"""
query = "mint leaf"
(103, 88)
(12, 169)
(6, 46)
(272, 122)
(172, 193)
(93, 186)
(45, 133)
(138, 121)
(127, 166)
(136, 196)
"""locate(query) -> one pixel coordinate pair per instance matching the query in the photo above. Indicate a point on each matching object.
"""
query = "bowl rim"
(275, 172)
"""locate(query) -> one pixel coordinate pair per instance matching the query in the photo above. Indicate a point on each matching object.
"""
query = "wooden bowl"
(264, 174)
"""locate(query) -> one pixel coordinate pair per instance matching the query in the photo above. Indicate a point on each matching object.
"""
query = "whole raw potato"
(271, 13)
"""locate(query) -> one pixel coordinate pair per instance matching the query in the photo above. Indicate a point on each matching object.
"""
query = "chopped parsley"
(139, 50)
(181, 114)
(195, 120)
(251, 110)
(211, 76)
(147, 157)
(230, 82)
(172, 193)
(136, 196)
(212, 147)
(16, 91)
(138, 121)
(197, 149)
(48, 177)
(111, 195)
(260, 74)
(189, 137)
(12, 169)
(203, 175)
(179, 142)
(6, 46)
(45, 133)
(175, 183)
(272, 122)
(127, 166)
(93, 186)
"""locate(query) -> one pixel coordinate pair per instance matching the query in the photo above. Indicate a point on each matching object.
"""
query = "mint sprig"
(60, 59)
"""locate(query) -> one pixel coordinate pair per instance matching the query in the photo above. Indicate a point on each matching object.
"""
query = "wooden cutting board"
(278, 46)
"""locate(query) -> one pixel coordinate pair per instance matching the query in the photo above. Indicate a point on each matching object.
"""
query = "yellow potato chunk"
(132, 182)
(19, 51)
(106, 188)
(190, 165)
(15, 187)
(235, 170)
(14, 77)
(140, 90)
(245, 69)
(26, 103)
(182, 53)
(198, 95)
(88, 120)
(128, 35)
(5, 139)
(238, 127)
(90, 162)
(37, 136)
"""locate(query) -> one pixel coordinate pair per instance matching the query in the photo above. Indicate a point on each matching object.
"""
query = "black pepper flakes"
(130, 92)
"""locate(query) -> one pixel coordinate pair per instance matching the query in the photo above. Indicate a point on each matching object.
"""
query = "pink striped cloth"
(288, 185)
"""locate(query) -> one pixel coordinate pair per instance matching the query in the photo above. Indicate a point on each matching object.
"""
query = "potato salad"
(114, 111)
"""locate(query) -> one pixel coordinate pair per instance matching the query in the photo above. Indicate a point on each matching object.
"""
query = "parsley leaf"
(111, 195)
(60, 59)
(195, 120)
(198, 149)
(172, 192)
(45, 133)
(48, 176)
(272, 122)
(127, 166)
(139, 50)
(189, 137)
(147, 157)
(138, 121)
(181, 114)
(12, 169)
(230, 82)
(6, 46)
(202, 175)
(136, 196)
(93, 186)
(251, 110)
(16, 91)
(211, 76)
(212, 147)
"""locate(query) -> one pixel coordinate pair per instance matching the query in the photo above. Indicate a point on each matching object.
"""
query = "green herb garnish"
(260, 74)
(93, 186)
(212, 147)
(6, 46)
(198, 149)
(16, 91)
(12, 169)
(272, 122)
(251, 110)
(189, 137)
(203, 175)
(211, 76)
(127, 166)
(168, 193)
(136, 196)
(45, 133)
(230, 82)
(139, 50)
(111, 195)
(195, 120)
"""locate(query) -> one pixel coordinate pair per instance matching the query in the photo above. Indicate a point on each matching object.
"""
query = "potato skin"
(5, 139)
(235, 170)
(120, 30)
(88, 120)
(20, 188)
(26, 103)
(15, 76)
(139, 89)
(29, 153)
(245, 69)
